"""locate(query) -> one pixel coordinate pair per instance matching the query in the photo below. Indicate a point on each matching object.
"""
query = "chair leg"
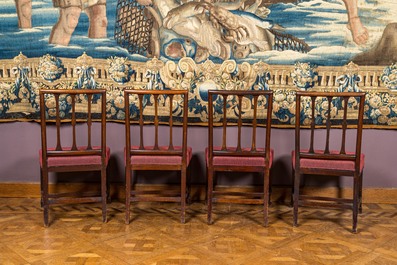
(41, 188)
(108, 191)
(292, 188)
(266, 197)
(356, 187)
(104, 194)
(210, 187)
(44, 196)
(127, 194)
(360, 206)
(46, 211)
(296, 197)
(183, 195)
(189, 185)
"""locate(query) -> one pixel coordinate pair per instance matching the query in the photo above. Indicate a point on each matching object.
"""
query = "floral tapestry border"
(21, 78)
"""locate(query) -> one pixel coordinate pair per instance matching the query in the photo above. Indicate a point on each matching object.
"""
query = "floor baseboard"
(198, 192)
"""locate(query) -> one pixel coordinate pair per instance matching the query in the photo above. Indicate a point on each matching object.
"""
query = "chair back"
(70, 108)
(333, 124)
(240, 112)
(149, 109)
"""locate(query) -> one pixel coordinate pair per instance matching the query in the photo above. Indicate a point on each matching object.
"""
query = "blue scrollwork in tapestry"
(284, 106)
(22, 80)
(115, 104)
(5, 97)
(85, 72)
(22, 86)
(263, 77)
(86, 77)
(120, 70)
(381, 108)
(389, 77)
(154, 80)
(64, 106)
(148, 102)
(304, 75)
(50, 68)
(21, 94)
(348, 82)
(321, 110)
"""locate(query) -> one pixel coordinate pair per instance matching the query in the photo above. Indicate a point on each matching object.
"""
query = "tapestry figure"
(69, 14)
(200, 29)
(24, 13)
(359, 32)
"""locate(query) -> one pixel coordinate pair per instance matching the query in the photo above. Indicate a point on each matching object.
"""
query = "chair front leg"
(104, 193)
(41, 188)
(127, 194)
(296, 196)
(266, 197)
(210, 183)
(292, 188)
(44, 196)
(189, 185)
(356, 194)
(108, 187)
(183, 194)
(360, 206)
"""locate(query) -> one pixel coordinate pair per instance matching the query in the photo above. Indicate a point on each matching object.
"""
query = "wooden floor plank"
(155, 235)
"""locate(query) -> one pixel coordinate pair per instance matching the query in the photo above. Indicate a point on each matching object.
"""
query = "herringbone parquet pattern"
(155, 235)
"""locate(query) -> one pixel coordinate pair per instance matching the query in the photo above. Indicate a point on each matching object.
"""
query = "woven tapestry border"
(21, 78)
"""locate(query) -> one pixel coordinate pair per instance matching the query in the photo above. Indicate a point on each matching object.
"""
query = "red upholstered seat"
(160, 159)
(58, 161)
(327, 163)
(248, 161)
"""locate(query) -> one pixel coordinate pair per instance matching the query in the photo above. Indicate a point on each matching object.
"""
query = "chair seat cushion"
(328, 164)
(160, 159)
(247, 161)
(75, 160)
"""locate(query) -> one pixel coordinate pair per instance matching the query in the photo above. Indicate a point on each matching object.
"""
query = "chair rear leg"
(296, 197)
(104, 193)
(108, 188)
(210, 187)
(127, 195)
(356, 187)
(266, 197)
(46, 212)
(360, 206)
(44, 196)
(183, 195)
(41, 188)
(292, 188)
(189, 185)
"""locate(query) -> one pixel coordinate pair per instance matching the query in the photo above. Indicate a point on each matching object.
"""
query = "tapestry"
(282, 45)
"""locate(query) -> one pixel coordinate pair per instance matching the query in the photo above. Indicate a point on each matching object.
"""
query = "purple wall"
(20, 142)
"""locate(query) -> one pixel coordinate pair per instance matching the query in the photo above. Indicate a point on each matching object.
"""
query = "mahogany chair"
(249, 151)
(63, 113)
(150, 146)
(328, 136)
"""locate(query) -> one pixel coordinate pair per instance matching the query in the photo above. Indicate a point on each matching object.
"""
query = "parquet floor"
(155, 236)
